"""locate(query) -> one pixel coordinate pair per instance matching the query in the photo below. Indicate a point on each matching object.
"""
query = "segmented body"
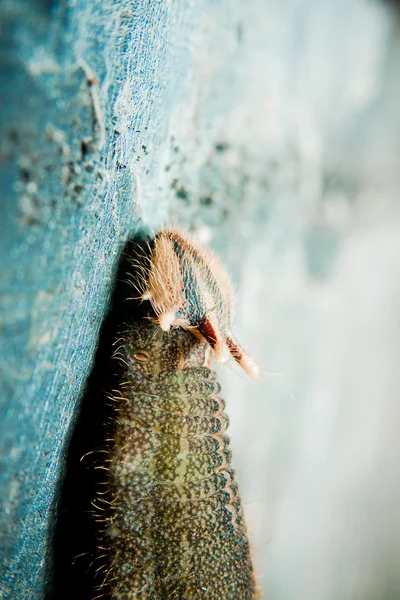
(175, 527)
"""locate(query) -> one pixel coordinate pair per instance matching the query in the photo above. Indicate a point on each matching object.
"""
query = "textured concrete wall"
(272, 129)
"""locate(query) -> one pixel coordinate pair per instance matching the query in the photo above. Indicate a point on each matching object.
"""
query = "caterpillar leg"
(244, 360)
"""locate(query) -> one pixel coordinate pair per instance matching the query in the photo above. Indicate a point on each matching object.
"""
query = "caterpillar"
(174, 521)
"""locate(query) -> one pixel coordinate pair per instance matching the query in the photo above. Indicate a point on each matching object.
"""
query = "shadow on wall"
(77, 571)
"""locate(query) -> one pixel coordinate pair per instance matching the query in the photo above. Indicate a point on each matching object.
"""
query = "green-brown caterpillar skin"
(175, 526)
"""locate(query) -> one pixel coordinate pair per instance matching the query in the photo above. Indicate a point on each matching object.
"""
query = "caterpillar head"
(188, 287)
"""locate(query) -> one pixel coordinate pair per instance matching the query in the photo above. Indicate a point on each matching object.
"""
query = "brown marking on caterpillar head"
(207, 332)
(188, 287)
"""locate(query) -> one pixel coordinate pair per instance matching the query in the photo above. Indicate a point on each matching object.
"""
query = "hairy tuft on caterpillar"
(188, 287)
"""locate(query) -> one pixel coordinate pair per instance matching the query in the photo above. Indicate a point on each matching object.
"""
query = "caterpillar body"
(174, 524)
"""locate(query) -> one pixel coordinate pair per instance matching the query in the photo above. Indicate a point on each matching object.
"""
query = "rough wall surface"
(271, 129)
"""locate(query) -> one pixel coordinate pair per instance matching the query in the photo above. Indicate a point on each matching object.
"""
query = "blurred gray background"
(271, 129)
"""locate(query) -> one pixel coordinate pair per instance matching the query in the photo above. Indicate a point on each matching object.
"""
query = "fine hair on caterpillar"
(188, 287)
(172, 519)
